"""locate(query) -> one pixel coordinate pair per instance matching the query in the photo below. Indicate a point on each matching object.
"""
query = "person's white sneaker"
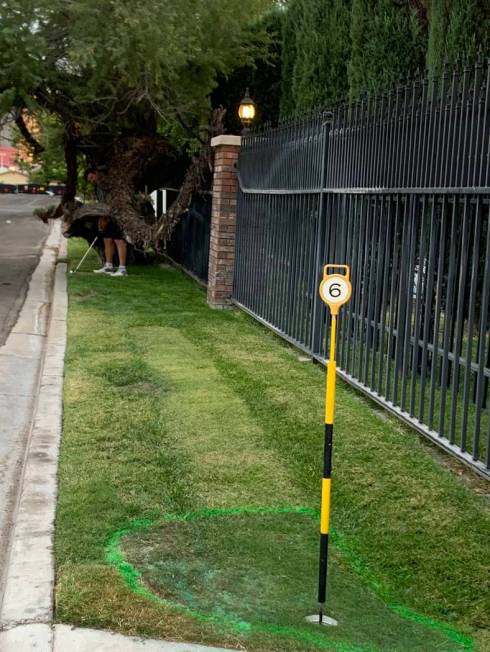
(119, 272)
(104, 270)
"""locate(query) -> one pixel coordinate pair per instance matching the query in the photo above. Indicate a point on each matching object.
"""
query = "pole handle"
(346, 269)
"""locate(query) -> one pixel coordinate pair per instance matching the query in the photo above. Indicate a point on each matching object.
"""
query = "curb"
(21, 357)
(29, 582)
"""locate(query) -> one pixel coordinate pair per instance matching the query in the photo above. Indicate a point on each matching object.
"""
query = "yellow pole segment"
(333, 337)
(331, 374)
(325, 509)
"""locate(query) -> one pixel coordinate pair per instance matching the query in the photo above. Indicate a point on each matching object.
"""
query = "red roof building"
(8, 156)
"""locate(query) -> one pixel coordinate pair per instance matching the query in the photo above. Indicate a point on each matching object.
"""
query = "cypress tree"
(334, 47)
(291, 27)
(458, 31)
(316, 48)
(320, 73)
(388, 43)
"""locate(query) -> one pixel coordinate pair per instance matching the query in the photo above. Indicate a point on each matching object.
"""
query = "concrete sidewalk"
(63, 638)
(20, 362)
(31, 388)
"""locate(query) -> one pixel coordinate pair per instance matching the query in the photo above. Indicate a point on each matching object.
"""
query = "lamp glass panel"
(247, 111)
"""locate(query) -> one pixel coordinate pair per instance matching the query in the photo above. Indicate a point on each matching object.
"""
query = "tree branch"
(200, 168)
(26, 134)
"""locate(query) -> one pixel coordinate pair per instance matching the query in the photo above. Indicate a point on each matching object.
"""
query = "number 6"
(335, 290)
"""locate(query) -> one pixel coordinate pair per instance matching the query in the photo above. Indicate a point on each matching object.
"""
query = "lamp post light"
(246, 112)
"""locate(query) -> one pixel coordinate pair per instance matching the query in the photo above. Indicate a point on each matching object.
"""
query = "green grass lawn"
(178, 417)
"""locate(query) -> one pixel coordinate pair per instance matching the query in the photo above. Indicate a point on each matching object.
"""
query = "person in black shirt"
(112, 235)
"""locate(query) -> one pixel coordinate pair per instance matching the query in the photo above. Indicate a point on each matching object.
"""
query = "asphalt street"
(21, 239)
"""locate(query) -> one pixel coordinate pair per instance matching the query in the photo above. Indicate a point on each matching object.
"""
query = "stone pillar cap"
(226, 139)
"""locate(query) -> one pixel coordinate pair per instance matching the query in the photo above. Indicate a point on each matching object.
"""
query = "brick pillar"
(223, 221)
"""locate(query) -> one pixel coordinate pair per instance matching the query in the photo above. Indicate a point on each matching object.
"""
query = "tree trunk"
(123, 174)
(71, 170)
(198, 178)
(118, 182)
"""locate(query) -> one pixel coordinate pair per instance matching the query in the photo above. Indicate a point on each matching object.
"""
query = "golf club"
(72, 271)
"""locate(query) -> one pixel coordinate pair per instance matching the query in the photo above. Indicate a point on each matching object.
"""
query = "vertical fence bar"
(448, 315)
(482, 336)
(384, 300)
(437, 315)
(428, 313)
(402, 297)
(470, 323)
(371, 288)
(419, 288)
(380, 250)
(325, 133)
(407, 326)
(364, 292)
(393, 301)
(458, 338)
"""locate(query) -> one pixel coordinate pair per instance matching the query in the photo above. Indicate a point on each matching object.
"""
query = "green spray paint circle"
(134, 581)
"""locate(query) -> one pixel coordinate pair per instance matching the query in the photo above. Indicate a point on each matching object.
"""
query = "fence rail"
(397, 186)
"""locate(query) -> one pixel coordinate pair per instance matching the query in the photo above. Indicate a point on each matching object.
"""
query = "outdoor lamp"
(246, 111)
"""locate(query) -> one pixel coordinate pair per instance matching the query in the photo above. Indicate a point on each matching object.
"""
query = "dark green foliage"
(335, 48)
(316, 49)
(459, 30)
(320, 72)
(112, 68)
(262, 78)
(290, 41)
(388, 44)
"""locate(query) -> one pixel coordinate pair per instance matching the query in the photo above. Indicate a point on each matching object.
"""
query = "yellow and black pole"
(335, 290)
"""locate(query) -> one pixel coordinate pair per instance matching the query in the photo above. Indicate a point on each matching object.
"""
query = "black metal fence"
(397, 186)
(189, 244)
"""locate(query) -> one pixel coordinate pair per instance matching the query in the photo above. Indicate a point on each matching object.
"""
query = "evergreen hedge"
(459, 31)
(388, 44)
(333, 48)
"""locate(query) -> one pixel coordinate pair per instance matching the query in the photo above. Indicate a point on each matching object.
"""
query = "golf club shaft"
(85, 254)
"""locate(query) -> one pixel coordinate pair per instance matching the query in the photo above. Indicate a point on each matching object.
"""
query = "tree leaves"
(105, 62)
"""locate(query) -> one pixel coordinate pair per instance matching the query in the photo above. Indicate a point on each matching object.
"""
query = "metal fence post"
(318, 308)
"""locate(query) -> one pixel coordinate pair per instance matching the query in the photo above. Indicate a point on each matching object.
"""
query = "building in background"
(24, 153)
(12, 149)
(13, 177)
(8, 151)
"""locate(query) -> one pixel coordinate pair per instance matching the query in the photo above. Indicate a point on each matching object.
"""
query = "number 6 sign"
(335, 289)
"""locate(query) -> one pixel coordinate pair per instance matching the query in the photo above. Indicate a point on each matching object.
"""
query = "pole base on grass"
(326, 620)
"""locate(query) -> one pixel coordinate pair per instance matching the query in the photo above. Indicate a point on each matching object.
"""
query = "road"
(21, 239)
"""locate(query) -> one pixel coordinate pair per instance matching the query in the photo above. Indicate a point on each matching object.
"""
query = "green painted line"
(362, 571)
(134, 581)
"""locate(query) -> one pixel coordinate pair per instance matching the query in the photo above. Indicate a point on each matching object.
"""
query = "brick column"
(223, 221)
